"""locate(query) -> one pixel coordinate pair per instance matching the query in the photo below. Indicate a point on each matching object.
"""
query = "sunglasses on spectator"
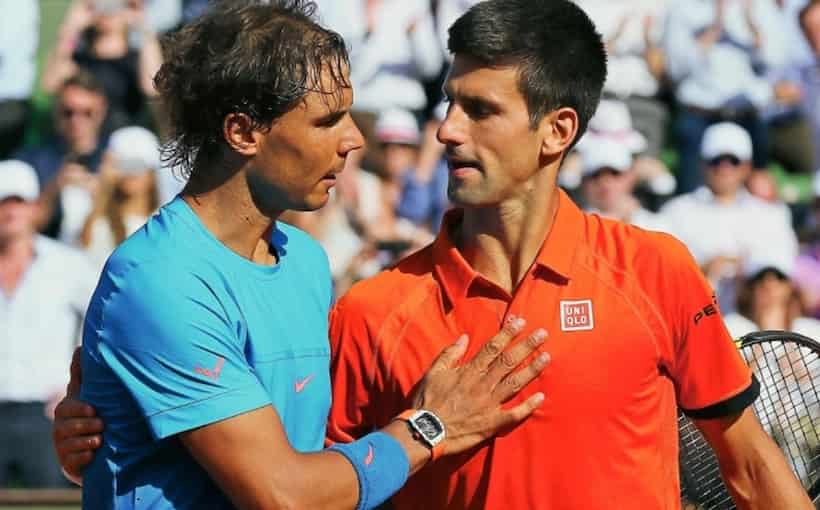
(724, 158)
(12, 199)
(67, 113)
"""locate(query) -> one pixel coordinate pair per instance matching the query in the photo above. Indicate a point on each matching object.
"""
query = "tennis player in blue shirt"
(205, 346)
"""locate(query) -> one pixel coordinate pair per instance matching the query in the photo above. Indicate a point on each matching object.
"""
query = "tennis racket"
(787, 365)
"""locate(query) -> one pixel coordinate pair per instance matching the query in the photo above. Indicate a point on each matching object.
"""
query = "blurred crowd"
(709, 130)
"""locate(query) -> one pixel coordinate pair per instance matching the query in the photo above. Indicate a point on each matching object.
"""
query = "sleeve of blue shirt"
(167, 335)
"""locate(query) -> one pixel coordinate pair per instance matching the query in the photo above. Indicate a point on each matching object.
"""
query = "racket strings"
(788, 409)
(701, 483)
(789, 402)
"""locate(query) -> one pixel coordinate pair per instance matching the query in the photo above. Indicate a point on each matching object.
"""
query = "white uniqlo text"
(577, 315)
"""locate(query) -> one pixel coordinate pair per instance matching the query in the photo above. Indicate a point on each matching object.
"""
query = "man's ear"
(238, 132)
(559, 129)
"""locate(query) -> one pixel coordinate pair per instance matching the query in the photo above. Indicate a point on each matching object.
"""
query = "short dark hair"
(253, 57)
(559, 53)
(83, 79)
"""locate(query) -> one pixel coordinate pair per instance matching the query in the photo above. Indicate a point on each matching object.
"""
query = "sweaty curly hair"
(242, 56)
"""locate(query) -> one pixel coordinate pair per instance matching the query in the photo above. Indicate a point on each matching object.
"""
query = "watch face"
(429, 427)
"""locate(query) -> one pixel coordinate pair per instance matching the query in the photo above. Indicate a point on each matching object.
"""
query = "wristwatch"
(426, 428)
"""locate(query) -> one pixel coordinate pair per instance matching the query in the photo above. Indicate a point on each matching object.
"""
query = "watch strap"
(436, 450)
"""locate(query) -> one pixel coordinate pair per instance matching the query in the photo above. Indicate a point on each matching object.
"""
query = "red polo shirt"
(633, 330)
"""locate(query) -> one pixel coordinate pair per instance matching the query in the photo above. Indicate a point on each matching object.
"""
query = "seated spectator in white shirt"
(718, 52)
(633, 31)
(721, 223)
(393, 49)
(44, 291)
(608, 181)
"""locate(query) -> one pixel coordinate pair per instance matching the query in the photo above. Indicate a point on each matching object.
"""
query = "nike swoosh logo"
(370, 454)
(300, 385)
(214, 372)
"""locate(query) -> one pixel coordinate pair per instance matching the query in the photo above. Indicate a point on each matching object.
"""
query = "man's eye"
(331, 121)
(478, 111)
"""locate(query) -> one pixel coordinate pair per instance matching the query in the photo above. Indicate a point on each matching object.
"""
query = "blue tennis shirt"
(182, 332)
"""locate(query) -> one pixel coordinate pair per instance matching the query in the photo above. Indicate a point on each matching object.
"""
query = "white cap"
(612, 120)
(397, 126)
(109, 6)
(18, 179)
(134, 150)
(726, 138)
(754, 268)
(605, 153)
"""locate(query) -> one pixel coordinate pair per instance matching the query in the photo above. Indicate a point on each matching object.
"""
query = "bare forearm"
(60, 63)
(344, 491)
(765, 481)
(272, 475)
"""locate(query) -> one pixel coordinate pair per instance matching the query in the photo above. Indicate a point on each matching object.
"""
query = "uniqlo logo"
(577, 315)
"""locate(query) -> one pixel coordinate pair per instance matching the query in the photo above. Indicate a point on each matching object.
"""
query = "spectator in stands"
(44, 290)
(67, 164)
(95, 36)
(432, 168)
(370, 221)
(408, 194)
(799, 48)
(613, 122)
(128, 192)
(807, 268)
(770, 300)
(393, 48)
(633, 31)
(721, 223)
(790, 135)
(421, 186)
(810, 74)
(608, 182)
(19, 35)
(715, 49)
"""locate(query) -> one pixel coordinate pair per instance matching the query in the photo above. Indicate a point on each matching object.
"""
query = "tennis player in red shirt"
(634, 330)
